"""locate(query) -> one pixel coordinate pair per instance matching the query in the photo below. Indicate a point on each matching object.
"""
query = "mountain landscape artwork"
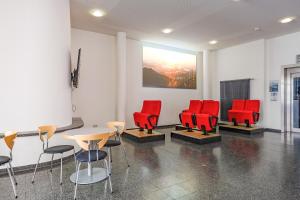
(168, 69)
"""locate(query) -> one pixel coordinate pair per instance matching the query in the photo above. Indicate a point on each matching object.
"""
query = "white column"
(35, 64)
(206, 94)
(121, 75)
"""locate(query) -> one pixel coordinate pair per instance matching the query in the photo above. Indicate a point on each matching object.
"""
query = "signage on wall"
(274, 90)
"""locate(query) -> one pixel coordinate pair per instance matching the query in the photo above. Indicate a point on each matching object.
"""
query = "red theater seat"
(208, 118)
(234, 114)
(187, 115)
(249, 114)
(148, 117)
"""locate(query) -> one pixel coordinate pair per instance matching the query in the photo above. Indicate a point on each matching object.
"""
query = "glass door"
(295, 102)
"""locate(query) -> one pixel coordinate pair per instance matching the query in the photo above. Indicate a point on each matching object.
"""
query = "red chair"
(234, 114)
(187, 116)
(248, 114)
(207, 120)
(148, 117)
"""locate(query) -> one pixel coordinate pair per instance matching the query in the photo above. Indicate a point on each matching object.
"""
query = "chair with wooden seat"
(117, 141)
(46, 133)
(9, 139)
(91, 154)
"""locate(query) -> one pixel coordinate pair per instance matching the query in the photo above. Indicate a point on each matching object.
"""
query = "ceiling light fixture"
(167, 30)
(213, 42)
(97, 12)
(257, 29)
(236, 0)
(287, 20)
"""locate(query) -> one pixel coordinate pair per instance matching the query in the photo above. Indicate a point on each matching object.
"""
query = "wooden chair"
(117, 141)
(91, 152)
(46, 133)
(9, 140)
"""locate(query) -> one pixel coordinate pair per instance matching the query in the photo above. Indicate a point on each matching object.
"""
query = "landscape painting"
(168, 69)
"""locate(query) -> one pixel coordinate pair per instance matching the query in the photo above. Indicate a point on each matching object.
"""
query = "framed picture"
(168, 69)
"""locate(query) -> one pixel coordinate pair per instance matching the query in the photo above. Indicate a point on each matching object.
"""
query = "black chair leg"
(247, 123)
(234, 122)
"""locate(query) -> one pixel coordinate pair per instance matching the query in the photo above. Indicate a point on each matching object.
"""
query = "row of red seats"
(244, 111)
(200, 114)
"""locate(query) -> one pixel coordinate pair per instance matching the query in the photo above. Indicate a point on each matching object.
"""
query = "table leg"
(89, 169)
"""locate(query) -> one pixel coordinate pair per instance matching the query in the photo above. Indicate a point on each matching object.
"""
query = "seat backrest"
(151, 107)
(195, 106)
(252, 105)
(85, 141)
(210, 107)
(46, 132)
(9, 139)
(238, 104)
(119, 125)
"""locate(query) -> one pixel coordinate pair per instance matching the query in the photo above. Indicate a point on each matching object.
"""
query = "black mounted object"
(75, 73)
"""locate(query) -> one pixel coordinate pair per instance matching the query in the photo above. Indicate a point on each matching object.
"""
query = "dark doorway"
(233, 89)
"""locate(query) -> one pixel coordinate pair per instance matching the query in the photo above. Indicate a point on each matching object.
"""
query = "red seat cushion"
(203, 120)
(208, 116)
(246, 113)
(186, 117)
(145, 119)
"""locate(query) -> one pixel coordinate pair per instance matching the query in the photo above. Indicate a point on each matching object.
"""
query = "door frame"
(285, 99)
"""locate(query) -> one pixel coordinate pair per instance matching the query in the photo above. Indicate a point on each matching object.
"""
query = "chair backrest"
(238, 104)
(119, 125)
(152, 107)
(195, 106)
(46, 132)
(252, 105)
(9, 139)
(210, 107)
(84, 141)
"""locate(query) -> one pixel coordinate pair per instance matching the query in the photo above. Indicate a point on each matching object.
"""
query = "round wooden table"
(89, 175)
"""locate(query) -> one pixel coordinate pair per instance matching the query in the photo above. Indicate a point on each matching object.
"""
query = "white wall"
(261, 60)
(34, 73)
(280, 51)
(240, 62)
(173, 100)
(95, 98)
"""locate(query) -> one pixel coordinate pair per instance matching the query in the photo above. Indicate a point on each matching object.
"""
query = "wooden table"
(89, 175)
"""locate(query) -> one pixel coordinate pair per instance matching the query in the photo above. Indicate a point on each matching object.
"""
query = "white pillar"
(121, 75)
(206, 94)
(35, 71)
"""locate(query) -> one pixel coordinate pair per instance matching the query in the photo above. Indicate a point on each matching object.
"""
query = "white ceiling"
(195, 22)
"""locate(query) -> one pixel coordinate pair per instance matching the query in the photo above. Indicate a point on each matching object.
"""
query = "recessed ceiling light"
(213, 42)
(167, 30)
(287, 20)
(97, 12)
(236, 0)
(257, 29)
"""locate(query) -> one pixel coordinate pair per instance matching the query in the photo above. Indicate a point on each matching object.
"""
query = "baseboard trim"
(42, 166)
(272, 130)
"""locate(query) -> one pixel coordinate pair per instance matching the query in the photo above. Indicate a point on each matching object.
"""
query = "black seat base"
(58, 149)
(90, 156)
(4, 160)
(112, 143)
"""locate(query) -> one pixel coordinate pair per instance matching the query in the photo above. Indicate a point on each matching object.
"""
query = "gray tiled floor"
(239, 167)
